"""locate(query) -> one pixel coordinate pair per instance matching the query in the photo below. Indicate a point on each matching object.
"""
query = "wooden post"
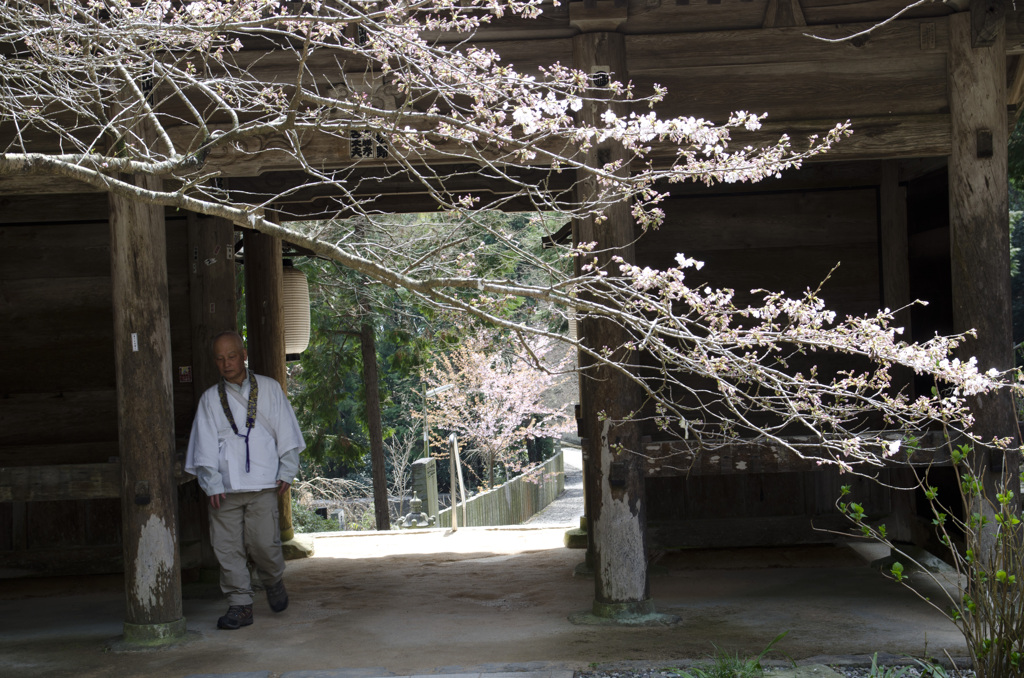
(211, 289)
(142, 351)
(978, 214)
(264, 317)
(615, 502)
(211, 276)
(895, 251)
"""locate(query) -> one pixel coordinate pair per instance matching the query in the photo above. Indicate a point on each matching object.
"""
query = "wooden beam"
(894, 247)
(597, 15)
(1015, 90)
(687, 458)
(264, 304)
(64, 481)
(987, 22)
(62, 561)
(874, 137)
(979, 228)
(142, 351)
(211, 275)
(783, 13)
(1014, 27)
(613, 474)
(895, 252)
(719, 533)
(898, 40)
(35, 454)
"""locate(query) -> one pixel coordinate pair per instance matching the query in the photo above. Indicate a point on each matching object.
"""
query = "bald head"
(230, 356)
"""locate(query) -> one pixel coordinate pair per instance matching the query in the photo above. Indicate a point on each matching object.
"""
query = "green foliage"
(329, 393)
(978, 519)
(887, 671)
(305, 520)
(725, 665)
(330, 397)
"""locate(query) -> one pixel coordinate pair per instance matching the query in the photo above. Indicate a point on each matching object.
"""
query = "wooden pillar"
(615, 501)
(211, 288)
(264, 318)
(978, 214)
(211, 269)
(895, 248)
(142, 351)
(895, 252)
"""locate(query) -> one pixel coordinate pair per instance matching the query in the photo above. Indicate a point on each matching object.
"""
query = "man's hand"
(215, 500)
(282, 487)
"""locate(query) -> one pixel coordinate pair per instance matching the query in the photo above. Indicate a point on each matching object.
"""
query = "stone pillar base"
(154, 634)
(639, 613)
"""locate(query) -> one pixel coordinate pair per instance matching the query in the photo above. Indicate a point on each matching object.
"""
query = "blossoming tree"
(168, 103)
(499, 398)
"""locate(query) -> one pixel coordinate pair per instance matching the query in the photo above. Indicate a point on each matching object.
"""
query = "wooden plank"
(69, 207)
(49, 562)
(77, 250)
(821, 12)
(664, 17)
(747, 531)
(837, 90)
(806, 219)
(42, 367)
(686, 458)
(851, 288)
(38, 305)
(58, 453)
(874, 137)
(898, 40)
(63, 482)
(102, 521)
(58, 418)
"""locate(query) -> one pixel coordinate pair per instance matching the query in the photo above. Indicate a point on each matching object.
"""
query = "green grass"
(725, 665)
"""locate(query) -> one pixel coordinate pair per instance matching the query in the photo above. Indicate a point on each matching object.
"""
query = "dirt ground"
(481, 599)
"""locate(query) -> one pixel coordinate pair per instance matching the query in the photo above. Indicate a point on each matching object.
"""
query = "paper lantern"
(296, 311)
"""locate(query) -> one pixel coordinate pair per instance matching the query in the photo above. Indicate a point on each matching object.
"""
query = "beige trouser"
(245, 526)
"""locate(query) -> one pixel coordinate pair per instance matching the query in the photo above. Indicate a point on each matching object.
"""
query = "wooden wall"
(788, 240)
(59, 471)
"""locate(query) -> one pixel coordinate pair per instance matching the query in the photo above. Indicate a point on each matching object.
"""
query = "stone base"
(640, 613)
(583, 570)
(298, 548)
(142, 636)
(575, 538)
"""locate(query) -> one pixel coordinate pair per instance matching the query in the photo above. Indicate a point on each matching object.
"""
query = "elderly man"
(244, 449)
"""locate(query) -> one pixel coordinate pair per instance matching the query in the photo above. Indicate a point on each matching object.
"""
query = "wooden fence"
(515, 501)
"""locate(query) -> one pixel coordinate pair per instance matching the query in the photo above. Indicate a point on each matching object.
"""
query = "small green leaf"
(897, 571)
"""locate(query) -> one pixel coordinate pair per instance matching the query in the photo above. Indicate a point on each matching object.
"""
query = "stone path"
(568, 507)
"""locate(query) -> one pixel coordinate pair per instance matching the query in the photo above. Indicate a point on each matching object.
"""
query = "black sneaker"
(236, 617)
(277, 596)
